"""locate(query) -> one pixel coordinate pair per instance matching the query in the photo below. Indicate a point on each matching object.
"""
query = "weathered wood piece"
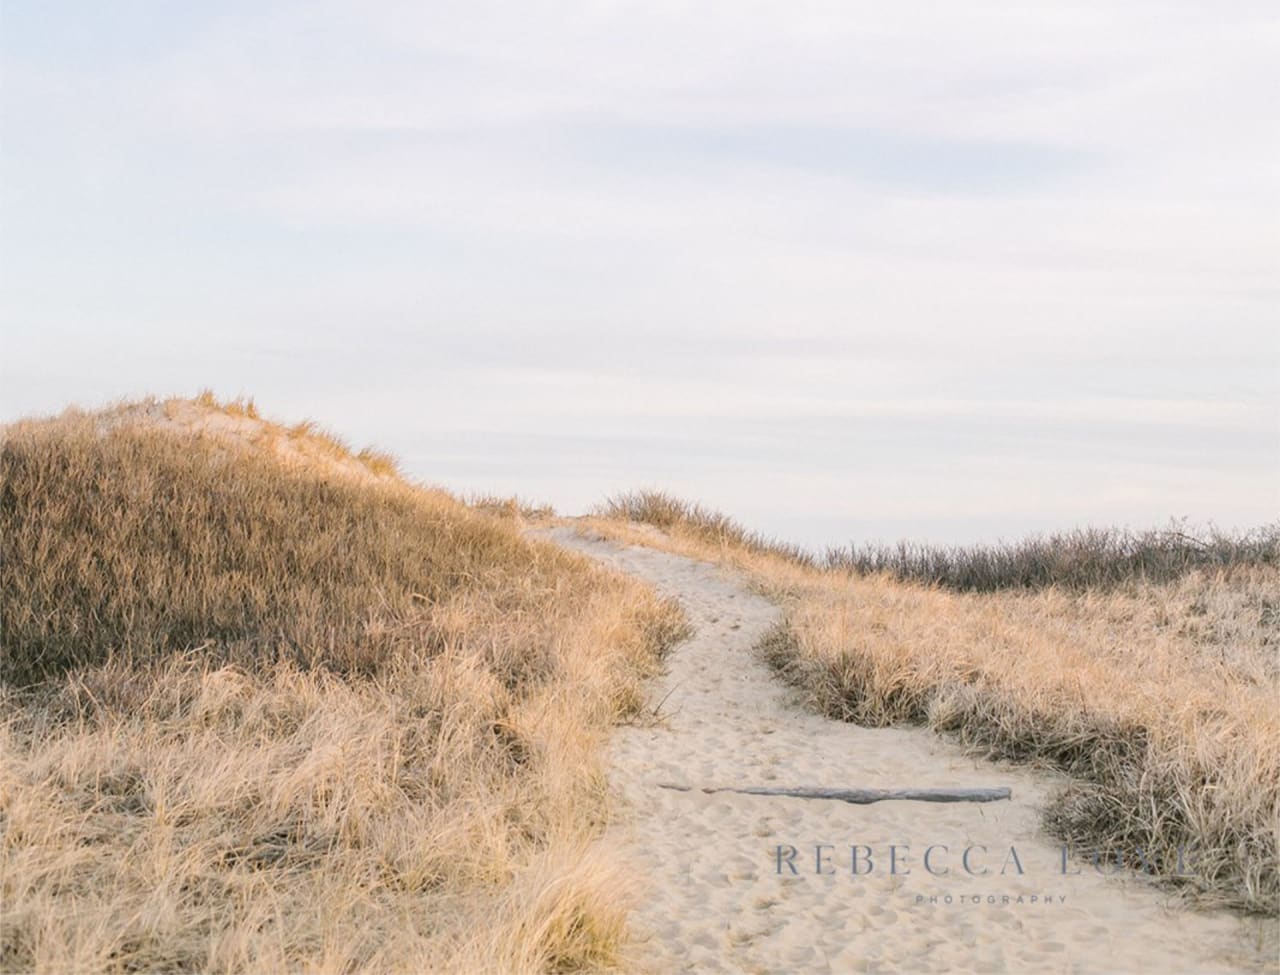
(859, 797)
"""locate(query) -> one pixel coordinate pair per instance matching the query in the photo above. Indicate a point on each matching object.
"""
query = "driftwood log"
(859, 797)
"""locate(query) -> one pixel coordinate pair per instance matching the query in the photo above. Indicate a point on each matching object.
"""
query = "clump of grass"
(239, 406)
(1086, 558)
(261, 712)
(1156, 695)
(379, 462)
(669, 513)
(511, 507)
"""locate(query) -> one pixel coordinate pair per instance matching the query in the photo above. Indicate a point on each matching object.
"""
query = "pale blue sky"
(842, 269)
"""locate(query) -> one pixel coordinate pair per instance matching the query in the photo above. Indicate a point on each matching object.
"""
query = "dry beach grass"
(720, 898)
(1158, 697)
(266, 706)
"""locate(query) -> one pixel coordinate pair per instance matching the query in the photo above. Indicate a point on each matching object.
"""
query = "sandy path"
(716, 901)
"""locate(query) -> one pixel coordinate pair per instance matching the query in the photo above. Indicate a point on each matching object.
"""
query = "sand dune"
(722, 896)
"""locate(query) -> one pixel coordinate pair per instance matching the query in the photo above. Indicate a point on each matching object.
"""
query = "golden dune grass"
(268, 707)
(1159, 699)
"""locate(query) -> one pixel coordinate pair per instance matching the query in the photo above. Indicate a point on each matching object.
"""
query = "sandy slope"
(716, 900)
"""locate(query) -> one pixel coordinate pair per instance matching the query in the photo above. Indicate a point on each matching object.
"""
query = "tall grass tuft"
(669, 513)
(511, 507)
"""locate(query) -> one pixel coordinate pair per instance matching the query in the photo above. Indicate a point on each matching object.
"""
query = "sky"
(847, 271)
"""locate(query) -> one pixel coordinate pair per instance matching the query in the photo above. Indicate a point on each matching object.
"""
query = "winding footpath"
(722, 897)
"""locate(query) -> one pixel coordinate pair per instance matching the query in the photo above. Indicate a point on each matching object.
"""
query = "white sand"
(715, 901)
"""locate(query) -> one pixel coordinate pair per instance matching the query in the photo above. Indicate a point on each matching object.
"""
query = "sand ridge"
(722, 897)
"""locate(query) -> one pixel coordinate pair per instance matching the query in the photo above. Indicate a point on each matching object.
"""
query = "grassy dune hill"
(267, 706)
(1145, 667)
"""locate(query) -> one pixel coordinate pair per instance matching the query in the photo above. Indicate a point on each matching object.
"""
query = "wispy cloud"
(1027, 250)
